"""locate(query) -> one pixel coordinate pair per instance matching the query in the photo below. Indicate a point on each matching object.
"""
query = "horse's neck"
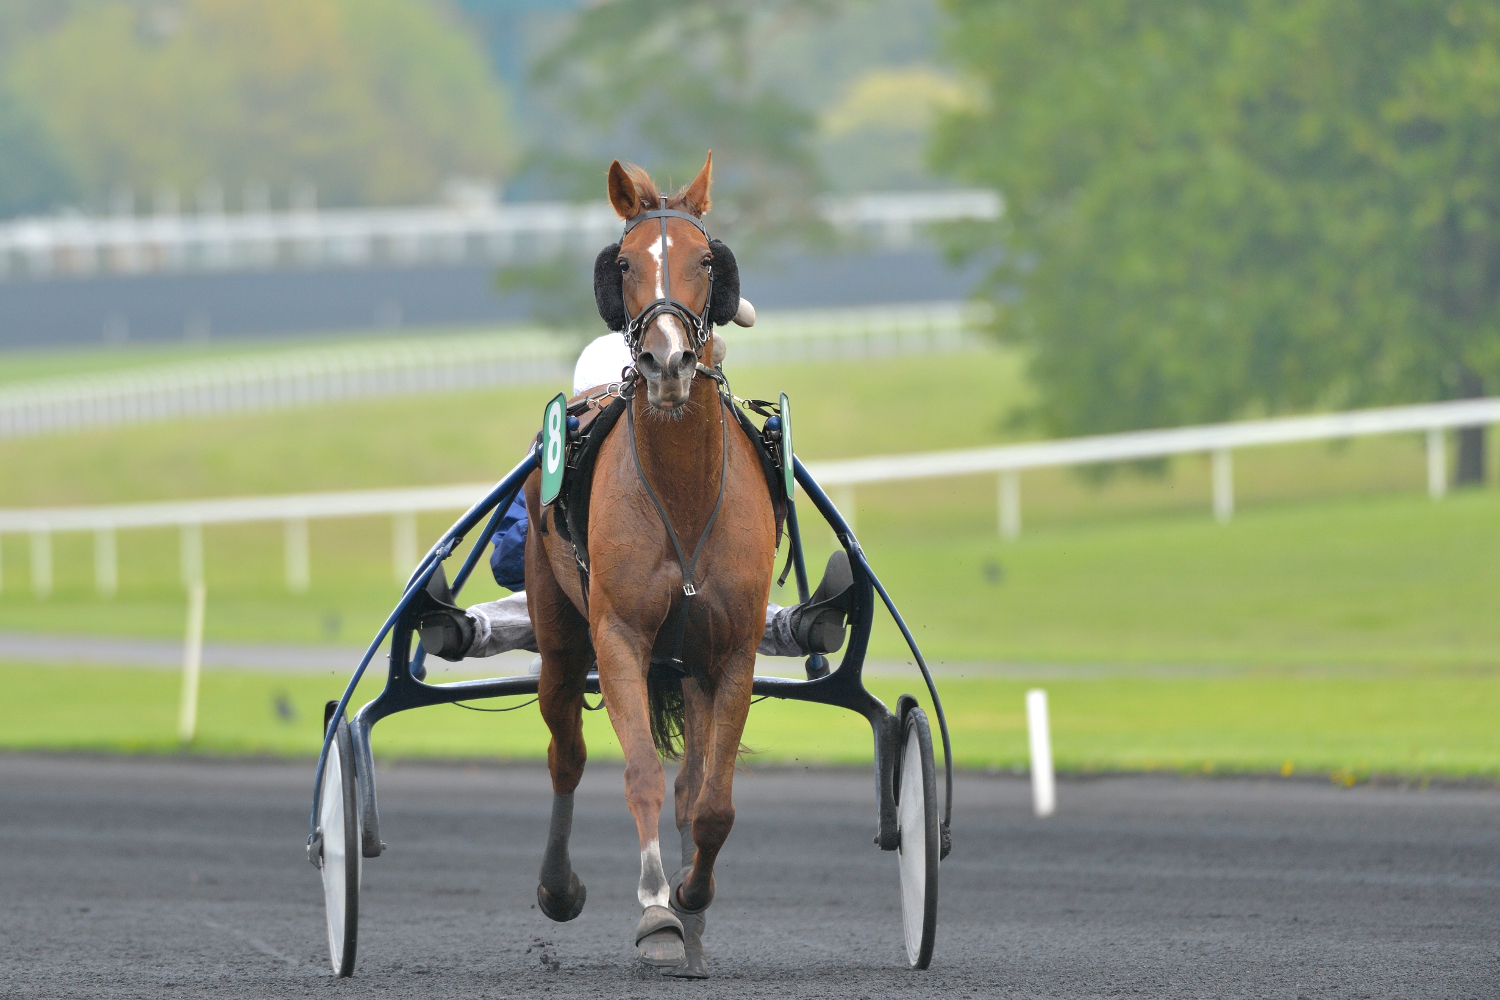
(683, 457)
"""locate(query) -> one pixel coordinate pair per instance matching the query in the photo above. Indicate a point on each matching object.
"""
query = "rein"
(689, 566)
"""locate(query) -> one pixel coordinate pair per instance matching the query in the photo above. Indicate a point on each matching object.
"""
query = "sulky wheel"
(917, 820)
(338, 828)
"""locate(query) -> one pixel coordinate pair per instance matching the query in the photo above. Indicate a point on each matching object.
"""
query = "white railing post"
(845, 504)
(190, 552)
(1010, 505)
(106, 562)
(1223, 477)
(1437, 463)
(192, 662)
(298, 562)
(1039, 731)
(41, 563)
(404, 544)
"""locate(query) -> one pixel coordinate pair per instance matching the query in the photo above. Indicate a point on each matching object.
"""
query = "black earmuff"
(726, 301)
(609, 289)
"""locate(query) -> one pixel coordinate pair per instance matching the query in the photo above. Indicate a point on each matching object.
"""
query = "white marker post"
(192, 662)
(1043, 785)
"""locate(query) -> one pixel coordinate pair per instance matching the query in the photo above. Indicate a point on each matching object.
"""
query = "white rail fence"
(440, 363)
(476, 229)
(1008, 461)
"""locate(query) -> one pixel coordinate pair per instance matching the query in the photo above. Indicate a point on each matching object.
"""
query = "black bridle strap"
(664, 213)
(697, 323)
(689, 566)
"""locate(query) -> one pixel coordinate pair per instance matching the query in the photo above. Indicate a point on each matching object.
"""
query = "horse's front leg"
(624, 656)
(697, 729)
(697, 725)
(713, 807)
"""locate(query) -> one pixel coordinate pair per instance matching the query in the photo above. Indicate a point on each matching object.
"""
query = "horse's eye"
(624, 265)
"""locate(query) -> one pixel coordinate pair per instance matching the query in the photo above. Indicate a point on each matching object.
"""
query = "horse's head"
(665, 283)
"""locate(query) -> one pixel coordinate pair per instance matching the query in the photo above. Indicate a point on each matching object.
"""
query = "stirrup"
(446, 629)
(819, 625)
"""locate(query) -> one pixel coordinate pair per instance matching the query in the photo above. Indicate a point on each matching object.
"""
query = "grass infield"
(1342, 622)
(1400, 723)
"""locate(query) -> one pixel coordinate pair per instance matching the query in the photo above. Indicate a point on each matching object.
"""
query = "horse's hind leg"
(565, 661)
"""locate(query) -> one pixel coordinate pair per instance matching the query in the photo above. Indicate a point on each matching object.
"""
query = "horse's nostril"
(646, 361)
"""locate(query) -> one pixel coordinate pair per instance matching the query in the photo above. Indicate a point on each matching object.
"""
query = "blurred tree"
(370, 100)
(668, 80)
(33, 177)
(1225, 206)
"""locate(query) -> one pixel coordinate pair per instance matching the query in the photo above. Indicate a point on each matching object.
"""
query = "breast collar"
(697, 324)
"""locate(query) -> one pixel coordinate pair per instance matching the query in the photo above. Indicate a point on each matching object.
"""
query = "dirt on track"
(142, 877)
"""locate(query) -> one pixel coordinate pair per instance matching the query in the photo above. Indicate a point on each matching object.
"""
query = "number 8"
(554, 438)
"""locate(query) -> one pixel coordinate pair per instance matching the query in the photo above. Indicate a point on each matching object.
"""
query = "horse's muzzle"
(668, 385)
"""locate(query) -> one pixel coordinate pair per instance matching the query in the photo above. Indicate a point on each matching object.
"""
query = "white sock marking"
(653, 890)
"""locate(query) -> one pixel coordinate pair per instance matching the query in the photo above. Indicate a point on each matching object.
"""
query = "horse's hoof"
(694, 923)
(566, 907)
(659, 938)
(693, 926)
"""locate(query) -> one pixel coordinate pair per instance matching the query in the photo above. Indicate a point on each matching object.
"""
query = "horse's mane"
(652, 198)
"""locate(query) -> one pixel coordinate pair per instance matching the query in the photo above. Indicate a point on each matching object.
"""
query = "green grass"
(1433, 724)
(1342, 621)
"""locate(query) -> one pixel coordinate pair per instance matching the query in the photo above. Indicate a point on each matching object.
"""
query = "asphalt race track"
(157, 878)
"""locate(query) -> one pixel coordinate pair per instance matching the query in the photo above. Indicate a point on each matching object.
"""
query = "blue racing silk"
(508, 561)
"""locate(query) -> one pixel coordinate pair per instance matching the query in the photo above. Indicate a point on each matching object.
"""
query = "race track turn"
(176, 877)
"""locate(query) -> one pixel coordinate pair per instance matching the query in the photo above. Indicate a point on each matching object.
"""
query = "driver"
(816, 626)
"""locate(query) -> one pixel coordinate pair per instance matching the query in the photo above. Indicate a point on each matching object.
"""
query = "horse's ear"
(695, 195)
(623, 196)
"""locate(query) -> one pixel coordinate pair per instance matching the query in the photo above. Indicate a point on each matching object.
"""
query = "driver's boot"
(818, 626)
(446, 629)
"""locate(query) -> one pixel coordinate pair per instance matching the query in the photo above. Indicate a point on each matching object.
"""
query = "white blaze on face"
(653, 889)
(657, 253)
(669, 325)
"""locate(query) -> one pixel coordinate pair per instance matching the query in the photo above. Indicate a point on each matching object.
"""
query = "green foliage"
(370, 100)
(1232, 205)
(676, 78)
(33, 177)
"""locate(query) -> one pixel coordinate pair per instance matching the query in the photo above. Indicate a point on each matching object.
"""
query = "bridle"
(697, 324)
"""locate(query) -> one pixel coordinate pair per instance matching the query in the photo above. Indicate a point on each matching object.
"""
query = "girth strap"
(688, 565)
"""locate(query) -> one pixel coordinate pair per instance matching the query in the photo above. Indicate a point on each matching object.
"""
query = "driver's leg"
(500, 626)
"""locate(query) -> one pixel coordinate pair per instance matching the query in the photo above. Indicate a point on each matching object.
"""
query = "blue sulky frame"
(406, 687)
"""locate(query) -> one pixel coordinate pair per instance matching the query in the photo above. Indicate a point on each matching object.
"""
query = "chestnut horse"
(680, 443)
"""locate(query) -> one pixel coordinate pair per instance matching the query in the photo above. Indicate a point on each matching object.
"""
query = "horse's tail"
(664, 698)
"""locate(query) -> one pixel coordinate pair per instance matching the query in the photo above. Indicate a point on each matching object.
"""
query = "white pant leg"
(778, 640)
(501, 626)
(504, 625)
